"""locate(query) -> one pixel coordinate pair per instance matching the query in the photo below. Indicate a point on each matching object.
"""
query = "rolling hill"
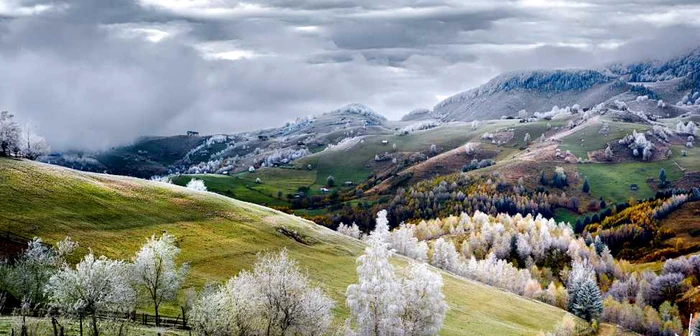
(220, 236)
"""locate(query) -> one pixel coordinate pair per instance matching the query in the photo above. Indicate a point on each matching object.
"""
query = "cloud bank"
(93, 74)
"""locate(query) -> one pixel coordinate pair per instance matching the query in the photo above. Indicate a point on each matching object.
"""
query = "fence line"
(140, 318)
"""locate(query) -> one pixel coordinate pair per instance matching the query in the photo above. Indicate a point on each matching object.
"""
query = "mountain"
(220, 236)
(222, 153)
(676, 81)
(509, 93)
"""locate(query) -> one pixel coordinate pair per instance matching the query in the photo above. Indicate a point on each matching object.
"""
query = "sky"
(91, 74)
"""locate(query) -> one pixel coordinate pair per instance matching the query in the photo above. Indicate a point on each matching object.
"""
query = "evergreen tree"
(578, 227)
(662, 177)
(599, 245)
(587, 302)
(585, 299)
(586, 187)
(543, 178)
(695, 328)
(330, 181)
(603, 205)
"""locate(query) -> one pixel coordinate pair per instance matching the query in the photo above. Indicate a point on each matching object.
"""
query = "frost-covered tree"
(32, 145)
(275, 298)
(425, 308)
(527, 138)
(284, 300)
(212, 313)
(155, 273)
(382, 303)
(608, 153)
(376, 302)
(559, 179)
(94, 286)
(522, 114)
(404, 242)
(350, 230)
(196, 184)
(694, 328)
(688, 128)
(639, 145)
(444, 255)
(31, 271)
(9, 133)
(585, 299)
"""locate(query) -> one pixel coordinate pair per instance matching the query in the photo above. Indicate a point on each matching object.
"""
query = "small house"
(263, 137)
(634, 187)
(192, 133)
(325, 190)
(385, 142)
(348, 183)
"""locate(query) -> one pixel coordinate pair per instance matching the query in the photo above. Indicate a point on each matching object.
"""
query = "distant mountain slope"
(533, 91)
(676, 80)
(234, 152)
(220, 236)
(684, 66)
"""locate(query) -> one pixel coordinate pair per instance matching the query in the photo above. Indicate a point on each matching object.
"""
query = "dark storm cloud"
(93, 74)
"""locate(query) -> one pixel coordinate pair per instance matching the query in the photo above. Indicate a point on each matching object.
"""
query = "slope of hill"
(533, 91)
(220, 236)
(677, 81)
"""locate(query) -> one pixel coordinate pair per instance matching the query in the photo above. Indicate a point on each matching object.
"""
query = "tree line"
(275, 297)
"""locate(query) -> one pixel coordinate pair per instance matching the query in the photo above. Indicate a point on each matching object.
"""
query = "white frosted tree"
(94, 286)
(155, 272)
(32, 145)
(211, 314)
(29, 274)
(276, 298)
(9, 133)
(585, 299)
(375, 302)
(608, 153)
(196, 184)
(286, 302)
(350, 230)
(404, 242)
(475, 125)
(425, 308)
(445, 255)
(527, 138)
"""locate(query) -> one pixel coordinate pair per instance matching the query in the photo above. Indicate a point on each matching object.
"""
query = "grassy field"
(612, 182)
(593, 140)
(355, 163)
(243, 186)
(565, 215)
(220, 236)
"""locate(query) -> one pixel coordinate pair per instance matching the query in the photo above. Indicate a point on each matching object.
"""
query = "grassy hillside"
(220, 236)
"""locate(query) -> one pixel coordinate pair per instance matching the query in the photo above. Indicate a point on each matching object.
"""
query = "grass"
(243, 186)
(220, 236)
(691, 161)
(43, 327)
(612, 182)
(593, 140)
(565, 215)
(356, 163)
